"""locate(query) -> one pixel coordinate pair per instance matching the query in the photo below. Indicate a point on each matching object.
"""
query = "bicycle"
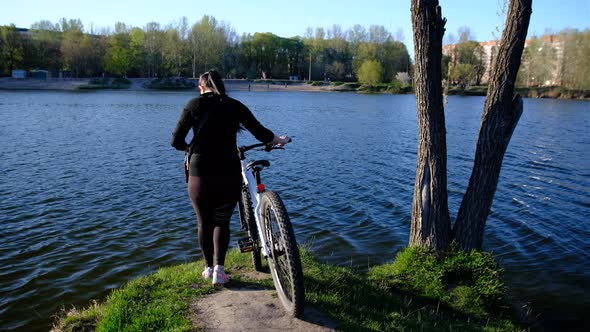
(270, 233)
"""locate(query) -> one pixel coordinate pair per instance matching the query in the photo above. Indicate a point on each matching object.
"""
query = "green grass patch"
(410, 294)
(394, 87)
(470, 283)
(341, 86)
(389, 298)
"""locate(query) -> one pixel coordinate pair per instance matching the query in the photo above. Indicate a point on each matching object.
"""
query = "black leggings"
(214, 199)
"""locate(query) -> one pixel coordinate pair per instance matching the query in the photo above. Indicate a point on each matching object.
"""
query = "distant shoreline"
(137, 84)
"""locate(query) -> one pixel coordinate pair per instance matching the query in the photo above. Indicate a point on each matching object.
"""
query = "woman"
(214, 183)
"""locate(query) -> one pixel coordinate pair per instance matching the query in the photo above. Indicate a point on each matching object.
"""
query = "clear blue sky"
(291, 18)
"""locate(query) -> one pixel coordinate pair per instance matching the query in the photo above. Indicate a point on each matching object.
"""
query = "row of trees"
(561, 59)
(180, 49)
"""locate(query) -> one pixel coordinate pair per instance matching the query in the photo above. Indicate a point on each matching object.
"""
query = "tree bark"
(502, 111)
(430, 224)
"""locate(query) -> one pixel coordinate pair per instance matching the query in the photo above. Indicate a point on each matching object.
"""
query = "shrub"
(370, 72)
(470, 282)
(171, 83)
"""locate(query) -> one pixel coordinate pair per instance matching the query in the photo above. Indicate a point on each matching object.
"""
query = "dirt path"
(251, 308)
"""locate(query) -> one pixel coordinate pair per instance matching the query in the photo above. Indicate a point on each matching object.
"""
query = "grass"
(417, 292)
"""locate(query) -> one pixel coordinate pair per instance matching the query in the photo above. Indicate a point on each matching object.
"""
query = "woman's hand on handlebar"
(281, 140)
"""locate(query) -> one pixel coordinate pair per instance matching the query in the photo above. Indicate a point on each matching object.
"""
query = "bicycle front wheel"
(283, 259)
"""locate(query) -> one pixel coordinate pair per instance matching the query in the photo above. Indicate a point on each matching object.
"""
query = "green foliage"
(539, 58)
(394, 87)
(369, 302)
(356, 300)
(206, 44)
(469, 282)
(171, 83)
(576, 59)
(76, 320)
(462, 74)
(158, 302)
(341, 86)
(370, 72)
(11, 49)
(118, 57)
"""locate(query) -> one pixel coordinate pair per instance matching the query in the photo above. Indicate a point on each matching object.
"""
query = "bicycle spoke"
(283, 259)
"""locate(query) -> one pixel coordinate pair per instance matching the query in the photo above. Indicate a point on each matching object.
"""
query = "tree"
(336, 70)
(153, 49)
(404, 78)
(207, 44)
(315, 44)
(370, 72)
(575, 63)
(430, 224)
(471, 53)
(175, 47)
(118, 57)
(461, 74)
(74, 47)
(47, 38)
(11, 48)
(137, 52)
(539, 63)
(502, 111)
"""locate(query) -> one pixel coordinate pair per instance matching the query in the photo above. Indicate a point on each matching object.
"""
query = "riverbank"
(391, 297)
(527, 92)
(137, 84)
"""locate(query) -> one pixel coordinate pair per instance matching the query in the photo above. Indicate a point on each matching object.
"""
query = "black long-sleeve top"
(214, 149)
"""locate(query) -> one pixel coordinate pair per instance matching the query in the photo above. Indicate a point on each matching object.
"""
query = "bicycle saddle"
(258, 165)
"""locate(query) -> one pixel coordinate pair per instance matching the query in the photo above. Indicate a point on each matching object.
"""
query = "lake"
(93, 195)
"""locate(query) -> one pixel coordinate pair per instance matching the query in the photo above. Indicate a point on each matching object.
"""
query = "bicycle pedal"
(246, 245)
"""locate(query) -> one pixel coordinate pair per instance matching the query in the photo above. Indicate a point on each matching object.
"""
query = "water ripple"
(104, 200)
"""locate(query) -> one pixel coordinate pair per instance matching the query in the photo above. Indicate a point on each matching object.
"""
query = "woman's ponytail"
(212, 80)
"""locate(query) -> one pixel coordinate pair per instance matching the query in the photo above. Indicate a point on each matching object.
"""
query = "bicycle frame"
(256, 197)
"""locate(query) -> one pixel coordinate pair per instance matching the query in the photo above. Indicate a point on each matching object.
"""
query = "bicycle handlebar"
(267, 147)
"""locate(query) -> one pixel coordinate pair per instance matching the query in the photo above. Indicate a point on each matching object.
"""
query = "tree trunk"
(430, 225)
(502, 111)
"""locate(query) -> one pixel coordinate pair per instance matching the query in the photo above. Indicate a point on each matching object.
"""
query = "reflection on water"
(92, 195)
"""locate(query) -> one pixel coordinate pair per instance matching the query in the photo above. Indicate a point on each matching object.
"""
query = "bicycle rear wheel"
(283, 259)
(249, 224)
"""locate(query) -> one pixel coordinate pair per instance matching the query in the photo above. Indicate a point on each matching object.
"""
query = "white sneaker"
(219, 277)
(207, 273)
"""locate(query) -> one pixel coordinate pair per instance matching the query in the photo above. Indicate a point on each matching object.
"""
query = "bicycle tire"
(283, 259)
(248, 221)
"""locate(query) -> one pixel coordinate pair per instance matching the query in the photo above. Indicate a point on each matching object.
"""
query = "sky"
(292, 18)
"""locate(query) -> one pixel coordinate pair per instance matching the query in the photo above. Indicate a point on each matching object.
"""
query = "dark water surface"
(92, 195)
